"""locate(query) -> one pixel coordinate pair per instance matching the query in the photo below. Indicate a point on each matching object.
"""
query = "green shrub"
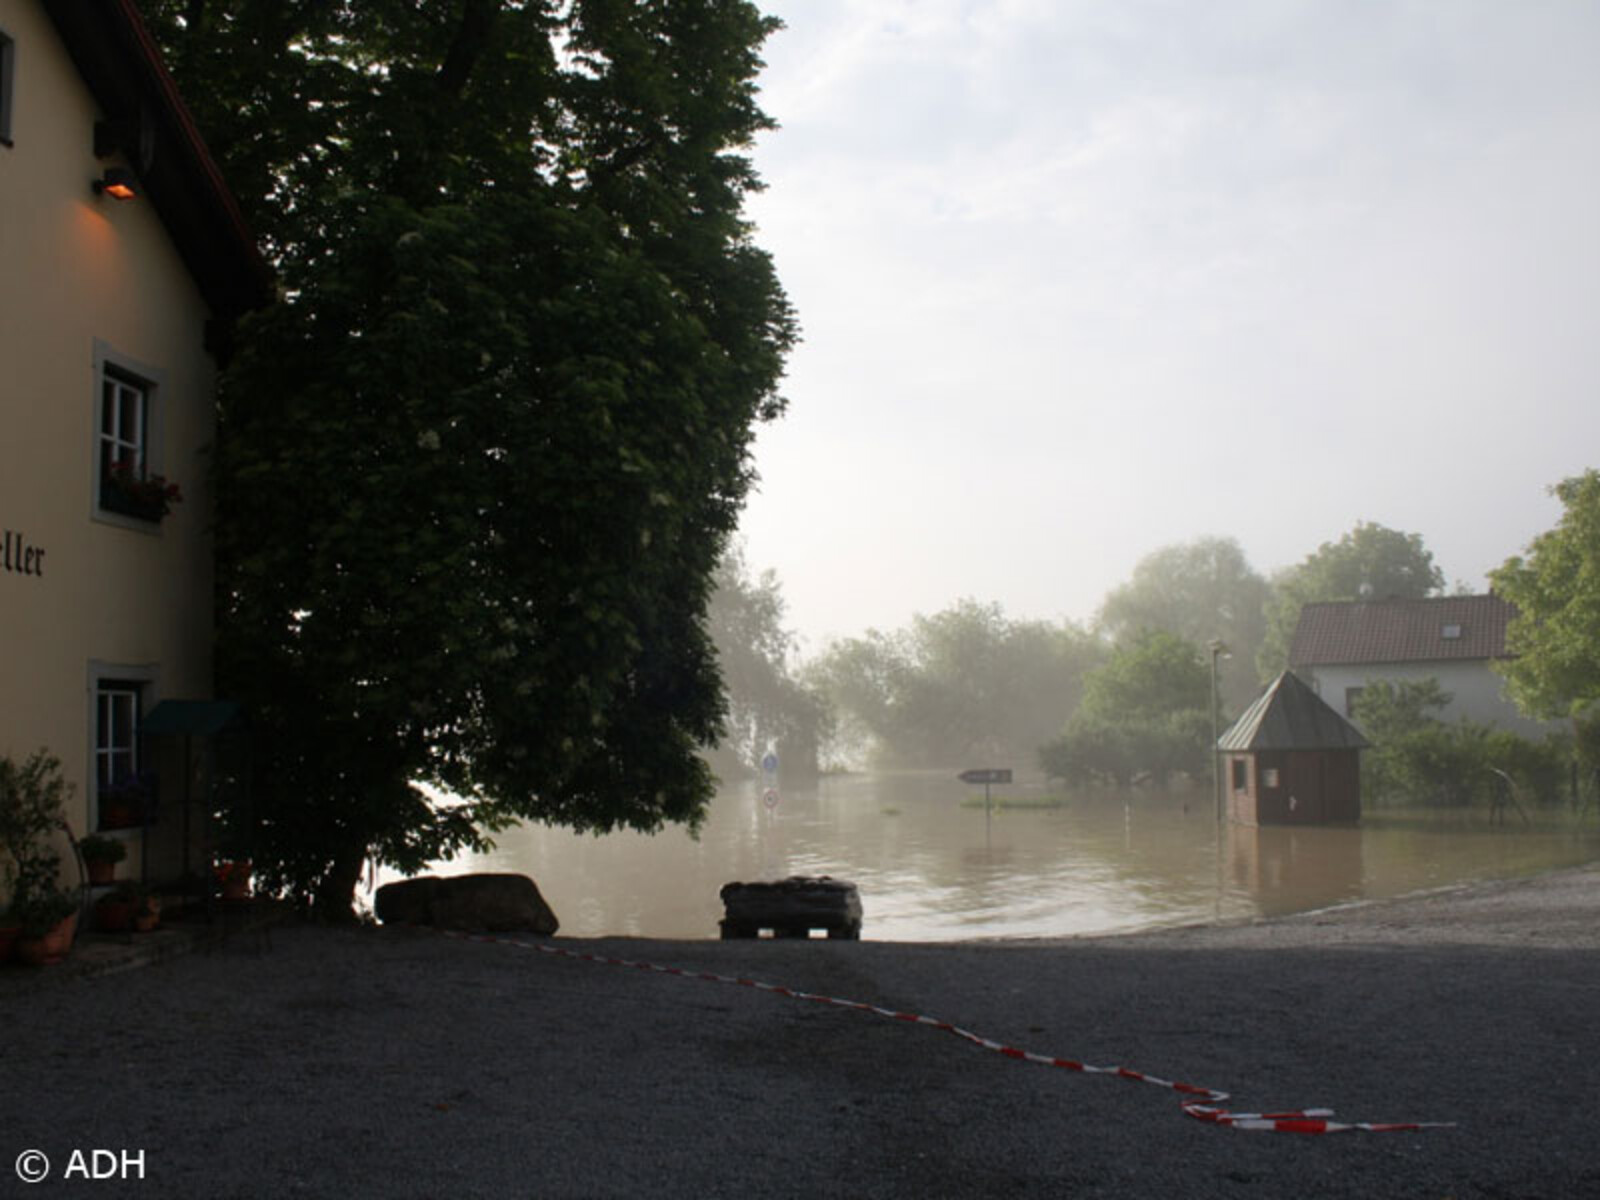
(32, 798)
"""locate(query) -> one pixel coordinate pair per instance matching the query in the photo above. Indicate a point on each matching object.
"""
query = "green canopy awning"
(201, 718)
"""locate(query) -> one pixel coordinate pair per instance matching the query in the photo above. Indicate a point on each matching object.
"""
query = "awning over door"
(200, 718)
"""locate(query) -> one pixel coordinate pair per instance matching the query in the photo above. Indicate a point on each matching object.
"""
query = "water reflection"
(933, 866)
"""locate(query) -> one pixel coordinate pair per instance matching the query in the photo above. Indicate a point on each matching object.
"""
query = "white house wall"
(1476, 692)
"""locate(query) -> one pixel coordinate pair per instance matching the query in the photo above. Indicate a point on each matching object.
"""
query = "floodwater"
(932, 864)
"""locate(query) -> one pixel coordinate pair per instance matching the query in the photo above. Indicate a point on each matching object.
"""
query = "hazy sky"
(1083, 278)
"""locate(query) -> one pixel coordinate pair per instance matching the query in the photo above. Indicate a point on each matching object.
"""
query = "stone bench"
(792, 908)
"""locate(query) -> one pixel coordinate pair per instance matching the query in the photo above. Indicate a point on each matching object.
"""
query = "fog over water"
(1080, 280)
(931, 865)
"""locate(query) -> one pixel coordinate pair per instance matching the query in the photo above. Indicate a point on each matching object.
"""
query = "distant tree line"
(965, 686)
(1125, 698)
(770, 709)
(1129, 697)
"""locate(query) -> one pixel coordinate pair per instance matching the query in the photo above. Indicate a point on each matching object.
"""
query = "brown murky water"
(932, 865)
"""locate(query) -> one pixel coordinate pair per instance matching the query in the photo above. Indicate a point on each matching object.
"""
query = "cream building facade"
(110, 310)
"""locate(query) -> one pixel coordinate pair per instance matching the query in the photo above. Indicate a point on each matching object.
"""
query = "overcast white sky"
(1083, 278)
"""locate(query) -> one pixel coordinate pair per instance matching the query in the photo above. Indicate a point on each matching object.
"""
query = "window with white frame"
(123, 404)
(121, 789)
(127, 412)
(8, 71)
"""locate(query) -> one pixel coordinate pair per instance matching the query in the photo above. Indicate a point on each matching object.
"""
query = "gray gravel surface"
(394, 1063)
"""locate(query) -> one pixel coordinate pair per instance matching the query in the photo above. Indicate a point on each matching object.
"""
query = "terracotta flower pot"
(52, 947)
(236, 881)
(147, 916)
(102, 872)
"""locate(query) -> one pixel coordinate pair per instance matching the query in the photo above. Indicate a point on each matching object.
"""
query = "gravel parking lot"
(382, 1062)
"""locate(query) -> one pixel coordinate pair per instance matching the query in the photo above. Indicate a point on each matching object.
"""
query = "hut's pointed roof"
(1288, 715)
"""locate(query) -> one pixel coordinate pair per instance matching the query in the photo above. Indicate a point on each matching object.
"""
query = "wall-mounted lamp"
(117, 182)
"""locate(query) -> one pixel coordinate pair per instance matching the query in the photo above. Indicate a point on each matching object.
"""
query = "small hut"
(1290, 759)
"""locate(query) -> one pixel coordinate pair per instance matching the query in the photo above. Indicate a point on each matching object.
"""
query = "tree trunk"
(335, 900)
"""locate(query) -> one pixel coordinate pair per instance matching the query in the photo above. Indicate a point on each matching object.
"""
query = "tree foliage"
(476, 470)
(966, 686)
(769, 708)
(1145, 712)
(1370, 562)
(1555, 637)
(1201, 591)
(1415, 757)
(33, 796)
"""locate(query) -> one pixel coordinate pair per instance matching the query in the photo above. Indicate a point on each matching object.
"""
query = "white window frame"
(113, 683)
(124, 407)
(116, 733)
(8, 78)
(122, 379)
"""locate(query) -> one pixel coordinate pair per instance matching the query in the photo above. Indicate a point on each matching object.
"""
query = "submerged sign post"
(769, 780)
(988, 776)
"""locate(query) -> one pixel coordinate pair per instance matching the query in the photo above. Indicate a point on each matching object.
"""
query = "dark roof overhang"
(148, 122)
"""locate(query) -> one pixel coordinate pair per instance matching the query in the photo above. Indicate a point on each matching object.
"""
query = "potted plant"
(146, 911)
(32, 795)
(114, 912)
(10, 927)
(233, 876)
(49, 922)
(101, 855)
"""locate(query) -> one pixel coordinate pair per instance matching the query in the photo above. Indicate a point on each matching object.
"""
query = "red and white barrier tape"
(1203, 1107)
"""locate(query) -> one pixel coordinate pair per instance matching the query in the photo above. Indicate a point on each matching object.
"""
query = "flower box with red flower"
(126, 488)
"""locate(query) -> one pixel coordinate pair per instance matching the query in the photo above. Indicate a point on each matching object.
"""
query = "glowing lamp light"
(117, 182)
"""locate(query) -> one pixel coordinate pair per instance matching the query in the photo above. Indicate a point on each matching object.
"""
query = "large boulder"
(483, 903)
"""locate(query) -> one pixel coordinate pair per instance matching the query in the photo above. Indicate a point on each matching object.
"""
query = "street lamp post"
(1218, 649)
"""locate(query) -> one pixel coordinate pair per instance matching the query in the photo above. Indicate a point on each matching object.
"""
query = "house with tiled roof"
(126, 263)
(1341, 647)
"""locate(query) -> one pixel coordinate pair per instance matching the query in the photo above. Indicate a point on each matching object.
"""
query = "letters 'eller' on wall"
(18, 556)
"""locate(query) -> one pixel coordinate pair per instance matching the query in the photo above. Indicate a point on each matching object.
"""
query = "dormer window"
(1451, 633)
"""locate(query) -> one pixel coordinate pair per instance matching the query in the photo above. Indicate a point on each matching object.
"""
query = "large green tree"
(1554, 670)
(1146, 712)
(1202, 591)
(476, 470)
(1371, 562)
(963, 687)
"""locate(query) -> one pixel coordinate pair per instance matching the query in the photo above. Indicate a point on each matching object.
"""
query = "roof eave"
(113, 51)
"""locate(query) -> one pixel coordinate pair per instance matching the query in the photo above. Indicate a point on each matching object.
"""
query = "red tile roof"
(1398, 631)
